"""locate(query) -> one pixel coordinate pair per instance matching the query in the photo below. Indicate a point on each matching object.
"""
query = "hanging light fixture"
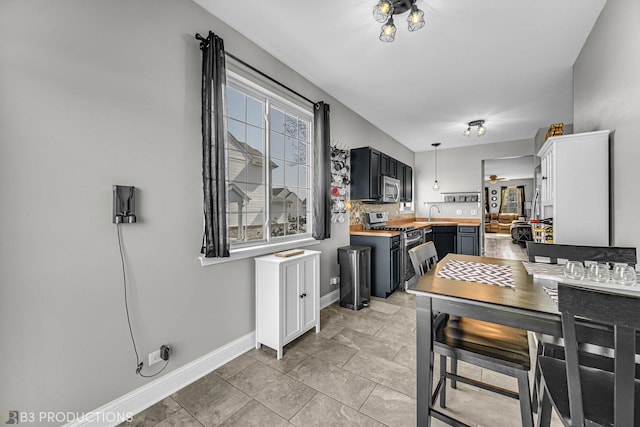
(435, 146)
(481, 129)
(388, 33)
(384, 10)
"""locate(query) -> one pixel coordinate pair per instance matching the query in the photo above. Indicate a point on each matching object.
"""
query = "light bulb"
(467, 132)
(436, 186)
(481, 130)
(387, 29)
(384, 8)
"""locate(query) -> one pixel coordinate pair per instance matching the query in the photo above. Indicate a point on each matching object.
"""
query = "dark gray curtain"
(322, 173)
(486, 199)
(215, 242)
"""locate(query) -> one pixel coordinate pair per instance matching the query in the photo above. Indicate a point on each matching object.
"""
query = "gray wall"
(459, 169)
(96, 93)
(606, 89)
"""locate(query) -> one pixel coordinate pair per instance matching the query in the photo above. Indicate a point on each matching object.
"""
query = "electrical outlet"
(458, 211)
(154, 357)
(474, 212)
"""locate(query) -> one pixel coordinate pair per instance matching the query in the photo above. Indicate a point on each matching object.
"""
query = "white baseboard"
(153, 392)
(330, 298)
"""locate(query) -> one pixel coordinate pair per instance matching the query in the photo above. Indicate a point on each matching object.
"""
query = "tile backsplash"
(358, 208)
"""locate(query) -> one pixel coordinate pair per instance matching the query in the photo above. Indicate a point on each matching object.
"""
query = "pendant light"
(435, 146)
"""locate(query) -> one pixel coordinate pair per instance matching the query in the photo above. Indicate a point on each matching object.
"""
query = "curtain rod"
(251, 67)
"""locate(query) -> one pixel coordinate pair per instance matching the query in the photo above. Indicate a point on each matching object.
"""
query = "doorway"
(509, 188)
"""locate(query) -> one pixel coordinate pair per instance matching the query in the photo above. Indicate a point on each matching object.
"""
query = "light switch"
(474, 212)
(458, 211)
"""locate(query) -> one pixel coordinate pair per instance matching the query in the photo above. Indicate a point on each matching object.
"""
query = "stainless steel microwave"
(390, 190)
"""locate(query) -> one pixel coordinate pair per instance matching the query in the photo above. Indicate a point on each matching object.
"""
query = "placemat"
(490, 274)
(543, 268)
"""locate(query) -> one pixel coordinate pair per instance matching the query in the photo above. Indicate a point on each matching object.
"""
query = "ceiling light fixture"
(384, 11)
(481, 129)
(435, 146)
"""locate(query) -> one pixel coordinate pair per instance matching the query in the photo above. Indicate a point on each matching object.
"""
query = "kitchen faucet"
(431, 207)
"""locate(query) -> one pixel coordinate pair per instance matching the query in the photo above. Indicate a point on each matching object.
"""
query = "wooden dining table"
(525, 306)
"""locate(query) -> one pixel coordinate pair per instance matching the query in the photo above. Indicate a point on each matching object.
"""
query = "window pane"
(276, 120)
(303, 222)
(277, 173)
(236, 129)
(291, 149)
(255, 199)
(277, 223)
(303, 153)
(291, 175)
(291, 126)
(254, 226)
(255, 139)
(237, 166)
(254, 112)
(235, 104)
(255, 173)
(277, 145)
(302, 177)
(302, 130)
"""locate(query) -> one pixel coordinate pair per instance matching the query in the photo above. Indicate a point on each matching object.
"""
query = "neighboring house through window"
(271, 204)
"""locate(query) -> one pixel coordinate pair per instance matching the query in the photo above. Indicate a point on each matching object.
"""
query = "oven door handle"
(412, 241)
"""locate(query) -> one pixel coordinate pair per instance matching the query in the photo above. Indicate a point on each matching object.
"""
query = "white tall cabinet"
(287, 298)
(575, 187)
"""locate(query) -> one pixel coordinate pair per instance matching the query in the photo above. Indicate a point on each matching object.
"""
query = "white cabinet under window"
(287, 298)
(575, 187)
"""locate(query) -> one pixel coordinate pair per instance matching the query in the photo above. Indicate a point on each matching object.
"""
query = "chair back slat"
(619, 310)
(581, 253)
(423, 257)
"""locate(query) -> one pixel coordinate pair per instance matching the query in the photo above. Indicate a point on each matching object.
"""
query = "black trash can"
(355, 276)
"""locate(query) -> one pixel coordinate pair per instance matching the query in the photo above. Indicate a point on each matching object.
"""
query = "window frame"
(269, 243)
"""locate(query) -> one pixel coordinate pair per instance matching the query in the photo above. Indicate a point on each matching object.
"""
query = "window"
(510, 202)
(268, 166)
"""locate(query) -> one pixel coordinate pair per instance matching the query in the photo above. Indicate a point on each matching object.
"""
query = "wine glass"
(624, 274)
(598, 273)
(574, 270)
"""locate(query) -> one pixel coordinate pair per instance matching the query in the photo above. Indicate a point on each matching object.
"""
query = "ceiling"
(510, 168)
(507, 62)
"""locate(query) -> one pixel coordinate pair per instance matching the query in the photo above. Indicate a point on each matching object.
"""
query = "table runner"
(537, 268)
(489, 274)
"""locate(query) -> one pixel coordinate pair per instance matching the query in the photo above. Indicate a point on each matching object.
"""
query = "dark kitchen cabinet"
(444, 238)
(405, 175)
(365, 173)
(468, 243)
(388, 166)
(385, 262)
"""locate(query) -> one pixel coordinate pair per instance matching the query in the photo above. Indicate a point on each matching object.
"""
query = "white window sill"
(254, 251)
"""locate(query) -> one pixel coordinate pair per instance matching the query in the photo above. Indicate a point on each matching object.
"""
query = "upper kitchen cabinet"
(405, 175)
(575, 187)
(365, 174)
(368, 166)
(388, 166)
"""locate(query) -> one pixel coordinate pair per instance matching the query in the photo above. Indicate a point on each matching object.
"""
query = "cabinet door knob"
(301, 295)
(544, 177)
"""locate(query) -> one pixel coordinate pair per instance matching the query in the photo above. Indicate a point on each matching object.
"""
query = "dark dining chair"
(583, 395)
(487, 345)
(551, 253)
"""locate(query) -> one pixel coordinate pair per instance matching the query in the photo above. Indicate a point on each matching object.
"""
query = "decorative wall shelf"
(461, 197)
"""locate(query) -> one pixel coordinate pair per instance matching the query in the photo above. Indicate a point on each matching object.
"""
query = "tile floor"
(358, 371)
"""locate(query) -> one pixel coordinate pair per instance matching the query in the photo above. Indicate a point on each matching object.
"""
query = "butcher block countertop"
(357, 230)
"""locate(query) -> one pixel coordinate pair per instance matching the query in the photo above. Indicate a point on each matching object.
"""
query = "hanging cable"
(139, 363)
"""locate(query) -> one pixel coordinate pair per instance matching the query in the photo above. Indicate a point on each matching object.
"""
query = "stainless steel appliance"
(355, 276)
(410, 237)
(390, 190)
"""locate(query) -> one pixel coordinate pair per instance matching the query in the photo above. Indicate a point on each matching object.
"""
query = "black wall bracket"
(124, 204)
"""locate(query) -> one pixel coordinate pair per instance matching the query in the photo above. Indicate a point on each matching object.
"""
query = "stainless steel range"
(410, 237)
